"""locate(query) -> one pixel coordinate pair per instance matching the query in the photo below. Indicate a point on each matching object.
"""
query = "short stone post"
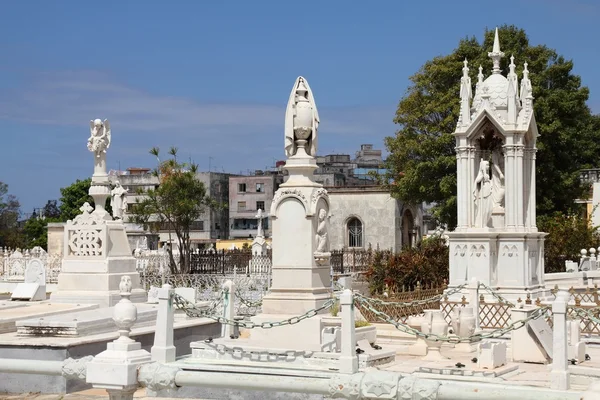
(228, 308)
(348, 357)
(559, 375)
(473, 293)
(163, 350)
(115, 369)
(345, 282)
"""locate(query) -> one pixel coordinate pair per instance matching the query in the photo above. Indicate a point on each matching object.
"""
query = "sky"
(212, 78)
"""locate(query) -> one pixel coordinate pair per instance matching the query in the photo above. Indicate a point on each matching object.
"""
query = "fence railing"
(347, 261)
(13, 263)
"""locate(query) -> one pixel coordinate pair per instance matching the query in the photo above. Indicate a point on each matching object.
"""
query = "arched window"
(355, 233)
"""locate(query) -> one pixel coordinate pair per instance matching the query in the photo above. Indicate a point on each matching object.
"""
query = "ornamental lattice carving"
(76, 368)
(157, 377)
(85, 242)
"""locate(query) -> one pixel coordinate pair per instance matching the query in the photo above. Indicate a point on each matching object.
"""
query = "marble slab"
(82, 323)
(10, 315)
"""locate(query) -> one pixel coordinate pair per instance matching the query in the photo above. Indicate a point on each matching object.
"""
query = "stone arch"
(408, 227)
(354, 232)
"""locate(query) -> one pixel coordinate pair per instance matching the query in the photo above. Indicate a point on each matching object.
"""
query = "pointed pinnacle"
(496, 48)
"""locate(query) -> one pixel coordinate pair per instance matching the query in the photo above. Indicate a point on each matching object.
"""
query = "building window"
(241, 188)
(241, 206)
(260, 187)
(260, 205)
(355, 233)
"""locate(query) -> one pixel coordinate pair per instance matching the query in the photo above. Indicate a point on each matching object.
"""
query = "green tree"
(10, 234)
(73, 197)
(51, 210)
(422, 165)
(35, 233)
(174, 206)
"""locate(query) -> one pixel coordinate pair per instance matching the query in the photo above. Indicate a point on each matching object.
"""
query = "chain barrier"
(538, 313)
(246, 302)
(586, 313)
(496, 295)
(414, 302)
(192, 311)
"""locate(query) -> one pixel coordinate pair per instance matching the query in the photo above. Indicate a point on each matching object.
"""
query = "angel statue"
(483, 195)
(301, 121)
(98, 142)
(118, 200)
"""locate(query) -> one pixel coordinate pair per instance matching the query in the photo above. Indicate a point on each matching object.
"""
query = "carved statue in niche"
(497, 179)
(483, 195)
(321, 237)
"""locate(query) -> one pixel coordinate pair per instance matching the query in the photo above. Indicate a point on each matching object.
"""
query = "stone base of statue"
(96, 256)
(301, 283)
(512, 263)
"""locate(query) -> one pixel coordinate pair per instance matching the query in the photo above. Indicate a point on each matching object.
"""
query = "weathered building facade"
(248, 194)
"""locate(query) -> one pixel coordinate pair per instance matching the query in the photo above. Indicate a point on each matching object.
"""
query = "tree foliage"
(174, 206)
(422, 165)
(10, 235)
(35, 232)
(73, 197)
(567, 235)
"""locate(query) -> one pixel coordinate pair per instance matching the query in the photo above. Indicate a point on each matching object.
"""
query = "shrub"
(426, 263)
(567, 235)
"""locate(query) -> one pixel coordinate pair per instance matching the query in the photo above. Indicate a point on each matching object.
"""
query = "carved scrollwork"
(76, 368)
(157, 376)
(321, 192)
(380, 385)
(410, 388)
(284, 193)
(345, 386)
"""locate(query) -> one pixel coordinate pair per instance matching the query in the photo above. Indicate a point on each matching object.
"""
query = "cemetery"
(297, 320)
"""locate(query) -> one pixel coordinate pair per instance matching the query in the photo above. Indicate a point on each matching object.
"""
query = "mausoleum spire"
(526, 90)
(513, 105)
(466, 95)
(496, 54)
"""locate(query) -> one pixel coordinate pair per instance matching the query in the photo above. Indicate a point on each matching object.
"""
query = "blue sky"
(213, 77)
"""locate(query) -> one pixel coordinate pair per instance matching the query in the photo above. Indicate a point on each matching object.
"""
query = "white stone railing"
(124, 366)
(14, 262)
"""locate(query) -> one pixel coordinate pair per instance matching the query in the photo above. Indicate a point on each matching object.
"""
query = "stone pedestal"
(96, 256)
(301, 280)
(512, 263)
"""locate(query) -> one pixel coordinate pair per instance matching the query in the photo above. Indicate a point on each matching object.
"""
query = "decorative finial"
(465, 68)
(512, 65)
(125, 312)
(525, 71)
(496, 54)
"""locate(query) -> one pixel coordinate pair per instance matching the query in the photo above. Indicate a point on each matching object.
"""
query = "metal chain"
(246, 302)
(192, 311)
(414, 302)
(585, 313)
(496, 295)
(538, 313)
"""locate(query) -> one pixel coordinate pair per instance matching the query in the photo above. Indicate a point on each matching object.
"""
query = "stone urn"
(434, 323)
(463, 324)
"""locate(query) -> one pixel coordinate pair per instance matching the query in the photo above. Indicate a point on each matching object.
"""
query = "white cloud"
(71, 98)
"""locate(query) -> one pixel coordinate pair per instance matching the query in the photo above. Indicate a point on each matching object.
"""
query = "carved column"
(519, 172)
(462, 194)
(532, 189)
(510, 189)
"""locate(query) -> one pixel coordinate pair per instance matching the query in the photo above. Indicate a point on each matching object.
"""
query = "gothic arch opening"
(354, 232)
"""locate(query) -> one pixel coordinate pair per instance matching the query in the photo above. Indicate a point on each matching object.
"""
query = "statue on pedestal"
(118, 200)
(259, 217)
(98, 142)
(301, 121)
(497, 180)
(483, 195)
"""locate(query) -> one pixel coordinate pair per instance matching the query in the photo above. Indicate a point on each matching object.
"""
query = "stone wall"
(55, 238)
(380, 214)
